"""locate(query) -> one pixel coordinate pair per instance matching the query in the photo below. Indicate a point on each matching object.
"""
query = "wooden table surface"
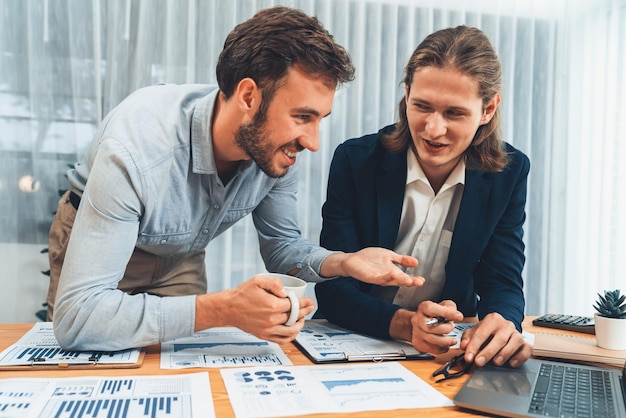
(10, 333)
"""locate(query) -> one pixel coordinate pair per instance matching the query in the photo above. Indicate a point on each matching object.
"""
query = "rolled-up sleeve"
(281, 243)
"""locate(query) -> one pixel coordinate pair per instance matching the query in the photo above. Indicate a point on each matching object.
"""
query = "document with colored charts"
(350, 387)
(39, 349)
(221, 347)
(172, 396)
(325, 342)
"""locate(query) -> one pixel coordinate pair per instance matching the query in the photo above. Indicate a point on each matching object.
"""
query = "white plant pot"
(610, 333)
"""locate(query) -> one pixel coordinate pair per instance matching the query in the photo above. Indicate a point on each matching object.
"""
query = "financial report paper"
(300, 390)
(40, 347)
(175, 396)
(221, 347)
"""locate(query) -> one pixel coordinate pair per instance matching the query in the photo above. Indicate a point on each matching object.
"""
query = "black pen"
(437, 321)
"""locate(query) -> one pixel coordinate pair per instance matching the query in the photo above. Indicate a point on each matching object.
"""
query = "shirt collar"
(202, 137)
(415, 172)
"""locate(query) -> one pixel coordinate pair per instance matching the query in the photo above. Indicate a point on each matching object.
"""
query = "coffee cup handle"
(295, 308)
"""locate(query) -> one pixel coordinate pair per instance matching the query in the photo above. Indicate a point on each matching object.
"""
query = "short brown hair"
(468, 50)
(274, 40)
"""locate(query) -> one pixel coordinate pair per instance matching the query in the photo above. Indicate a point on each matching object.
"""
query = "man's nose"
(435, 125)
(311, 138)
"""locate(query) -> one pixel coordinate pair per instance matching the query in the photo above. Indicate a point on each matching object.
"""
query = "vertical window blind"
(64, 65)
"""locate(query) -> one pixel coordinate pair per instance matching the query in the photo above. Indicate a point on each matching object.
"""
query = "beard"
(253, 140)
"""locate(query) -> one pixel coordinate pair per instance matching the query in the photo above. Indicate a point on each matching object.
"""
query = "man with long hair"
(443, 186)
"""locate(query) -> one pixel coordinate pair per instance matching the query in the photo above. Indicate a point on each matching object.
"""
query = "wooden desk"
(10, 333)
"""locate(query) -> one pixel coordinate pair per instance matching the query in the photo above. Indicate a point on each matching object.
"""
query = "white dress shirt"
(426, 229)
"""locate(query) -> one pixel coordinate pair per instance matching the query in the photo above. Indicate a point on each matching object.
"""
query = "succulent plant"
(611, 305)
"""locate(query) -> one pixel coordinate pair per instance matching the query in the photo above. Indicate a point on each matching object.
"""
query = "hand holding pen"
(431, 324)
(436, 321)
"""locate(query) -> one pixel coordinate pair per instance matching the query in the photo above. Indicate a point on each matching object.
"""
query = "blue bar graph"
(153, 407)
(113, 387)
(13, 407)
(14, 401)
(38, 353)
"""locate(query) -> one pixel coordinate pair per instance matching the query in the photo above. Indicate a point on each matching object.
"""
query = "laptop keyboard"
(564, 391)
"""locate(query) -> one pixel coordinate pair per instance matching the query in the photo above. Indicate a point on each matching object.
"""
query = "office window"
(63, 65)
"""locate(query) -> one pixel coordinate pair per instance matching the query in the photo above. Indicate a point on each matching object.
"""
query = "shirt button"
(163, 241)
(205, 231)
(216, 206)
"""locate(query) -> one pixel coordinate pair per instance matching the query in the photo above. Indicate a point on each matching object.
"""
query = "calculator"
(566, 322)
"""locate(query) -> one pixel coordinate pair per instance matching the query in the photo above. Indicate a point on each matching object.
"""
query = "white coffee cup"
(295, 288)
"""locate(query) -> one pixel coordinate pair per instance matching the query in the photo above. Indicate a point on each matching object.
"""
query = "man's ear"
(248, 95)
(491, 108)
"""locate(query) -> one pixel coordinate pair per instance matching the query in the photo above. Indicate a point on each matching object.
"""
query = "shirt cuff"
(310, 267)
(177, 317)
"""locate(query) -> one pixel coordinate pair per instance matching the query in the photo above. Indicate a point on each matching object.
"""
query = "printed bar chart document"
(221, 347)
(39, 349)
(176, 396)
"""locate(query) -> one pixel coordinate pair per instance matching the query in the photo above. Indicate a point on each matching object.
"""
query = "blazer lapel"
(390, 183)
(470, 218)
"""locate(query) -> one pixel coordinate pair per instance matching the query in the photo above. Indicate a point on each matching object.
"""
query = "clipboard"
(91, 363)
(39, 349)
(324, 342)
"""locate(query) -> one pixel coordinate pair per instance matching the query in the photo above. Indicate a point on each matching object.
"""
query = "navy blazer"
(363, 208)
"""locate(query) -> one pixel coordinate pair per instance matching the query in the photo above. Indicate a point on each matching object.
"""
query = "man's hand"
(259, 306)
(372, 265)
(433, 338)
(506, 344)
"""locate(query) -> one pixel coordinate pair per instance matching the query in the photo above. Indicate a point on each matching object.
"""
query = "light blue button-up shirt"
(149, 180)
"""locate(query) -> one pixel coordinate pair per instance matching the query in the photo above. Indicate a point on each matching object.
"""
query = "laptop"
(544, 388)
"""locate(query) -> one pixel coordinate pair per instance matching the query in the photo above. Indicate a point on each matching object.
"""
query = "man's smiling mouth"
(290, 154)
(434, 144)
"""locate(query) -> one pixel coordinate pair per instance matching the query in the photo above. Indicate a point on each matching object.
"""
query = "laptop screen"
(514, 382)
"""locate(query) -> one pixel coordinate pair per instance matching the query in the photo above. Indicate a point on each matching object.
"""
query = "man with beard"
(172, 167)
